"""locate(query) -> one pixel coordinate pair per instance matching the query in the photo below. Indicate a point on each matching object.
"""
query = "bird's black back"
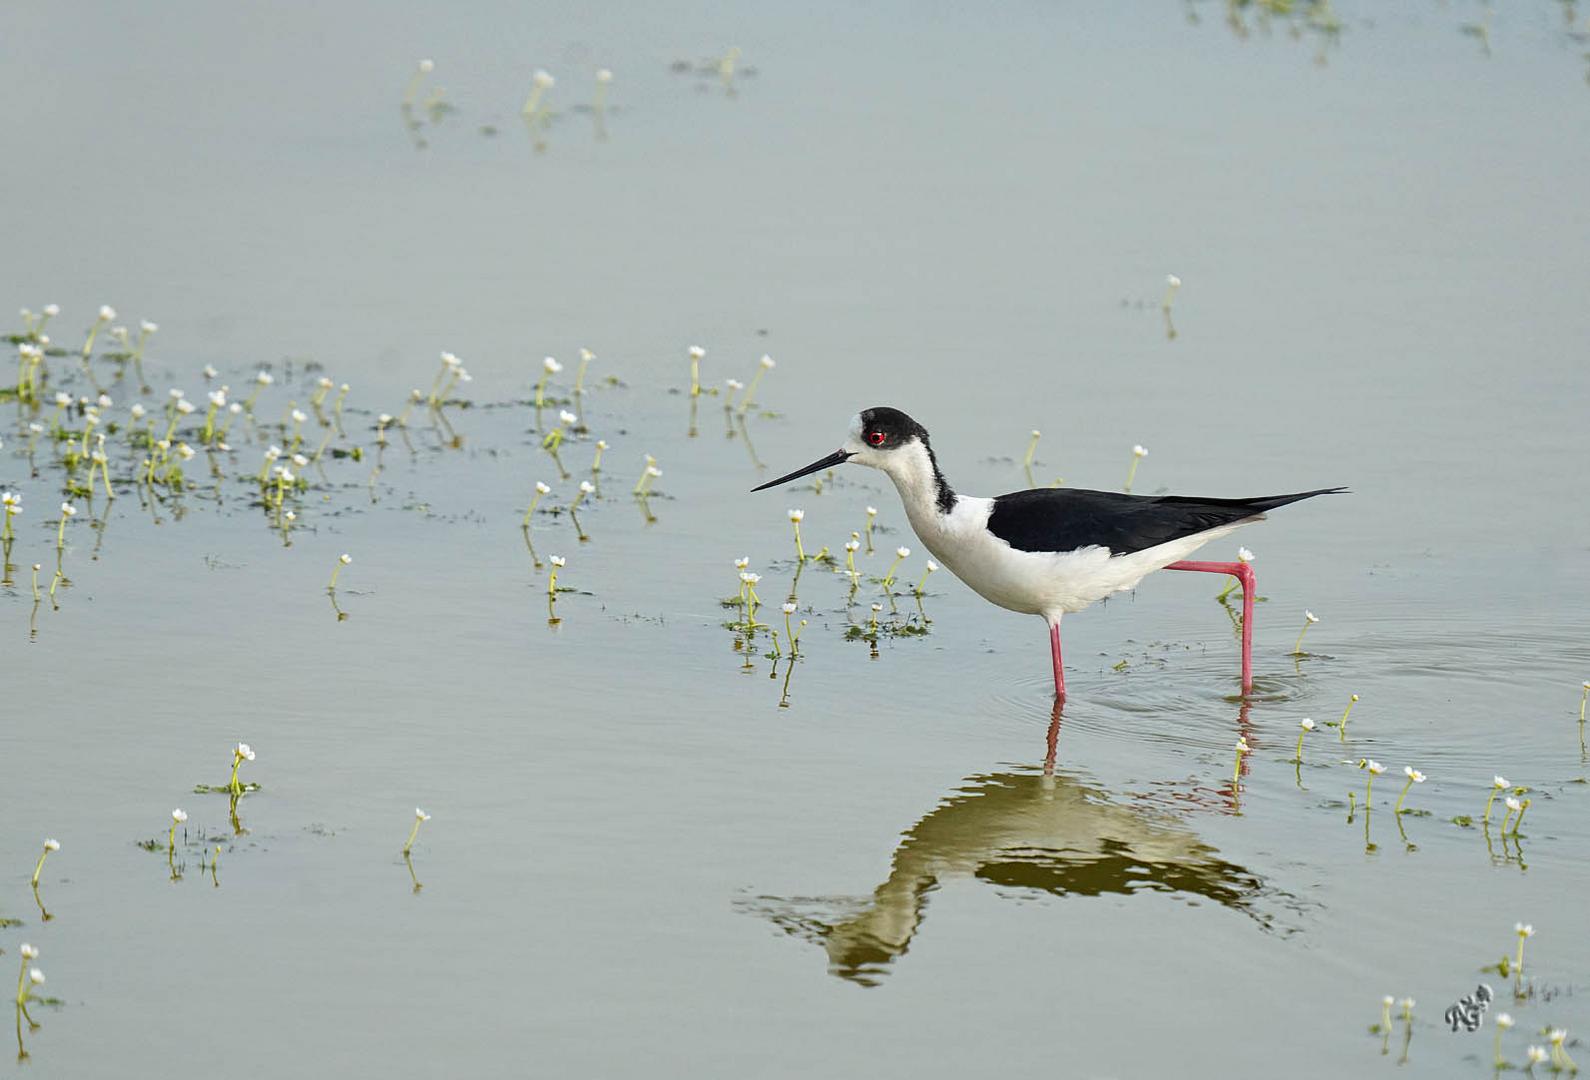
(1065, 519)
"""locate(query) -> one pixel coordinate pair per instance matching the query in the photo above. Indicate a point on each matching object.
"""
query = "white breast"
(1037, 582)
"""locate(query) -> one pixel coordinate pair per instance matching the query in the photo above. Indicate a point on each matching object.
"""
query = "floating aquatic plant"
(1498, 784)
(1374, 769)
(342, 560)
(596, 462)
(11, 503)
(1414, 777)
(420, 818)
(900, 555)
(586, 488)
(68, 512)
(1341, 725)
(558, 562)
(1504, 1021)
(178, 816)
(1525, 931)
(696, 354)
(872, 516)
(762, 368)
(540, 83)
(921, 585)
(1139, 452)
(1306, 725)
(1172, 285)
(1559, 1055)
(240, 753)
(795, 518)
(1242, 749)
(49, 846)
(412, 89)
(549, 368)
(1309, 619)
(29, 976)
(541, 489)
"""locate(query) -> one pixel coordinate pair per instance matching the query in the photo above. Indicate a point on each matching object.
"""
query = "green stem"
(1486, 818)
(1297, 649)
(799, 551)
(415, 831)
(40, 867)
(1398, 808)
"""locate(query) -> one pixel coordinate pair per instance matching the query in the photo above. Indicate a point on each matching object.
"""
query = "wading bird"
(1049, 551)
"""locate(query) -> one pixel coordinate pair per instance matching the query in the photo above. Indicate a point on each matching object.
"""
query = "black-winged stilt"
(1049, 551)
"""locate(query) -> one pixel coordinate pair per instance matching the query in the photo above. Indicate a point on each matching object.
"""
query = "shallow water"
(639, 863)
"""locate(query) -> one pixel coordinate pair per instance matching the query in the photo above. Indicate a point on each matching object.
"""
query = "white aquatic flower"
(464, 375)
(52, 310)
(1504, 1020)
(1306, 724)
(106, 313)
(218, 398)
(148, 327)
(877, 608)
(1558, 1035)
(1514, 804)
(1173, 281)
(557, 560)
(299, 416)
(1375, 768)
(797, 515)
(234, 408)
(68, 510)
(586, 355)
(427, 66)
(603, 75)
(1244, 555)
(601, 444)
(551, 365)
(52, 845)
(421, 815)
(345, 558)
(1388, 1001)
(932, 566)
(789, 609)
(272, 452)
(450, 361)
(184, 406)
(543, 79)
(104, 401)
(35, 976)
(653, 471)
(300, 460)
(162, 445)
(10, 499)
(62, 399)
(697, 352)
(416, 394)
(1139, 451)
(1413, 774)
(566, 417)
(903, 552)
(98, 456)
(264, 378)
(1535, 1055)
(210, 372)
(287, 475)
(542, 488)
(185, 452)
(175, 394)
(384, 419)
(1310, 616)
(749, 578)
(1498, 782)
(29, 952)
(1525, 930)
(742, 562)
(872, 511)
(767, 362)
(852, 545)
(1242, 745)
(734, 384)
(587, 487)
(138, 412)
(244, 751)
(35, 428)
(1408, 1003)
(179, 816)
(324, 383)
(290, 515)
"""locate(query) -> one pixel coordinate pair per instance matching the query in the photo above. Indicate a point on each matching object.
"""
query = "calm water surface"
(649, 856)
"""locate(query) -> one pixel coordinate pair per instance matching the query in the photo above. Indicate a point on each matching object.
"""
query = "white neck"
(911, 469)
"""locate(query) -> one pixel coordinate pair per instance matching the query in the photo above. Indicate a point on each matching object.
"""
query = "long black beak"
(838, 457)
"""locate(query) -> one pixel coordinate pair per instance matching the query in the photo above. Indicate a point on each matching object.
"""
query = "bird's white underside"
(1047, 583)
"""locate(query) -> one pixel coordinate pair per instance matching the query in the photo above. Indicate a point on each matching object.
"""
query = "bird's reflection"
(1027, 832)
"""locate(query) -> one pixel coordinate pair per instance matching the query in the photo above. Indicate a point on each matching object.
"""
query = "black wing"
(1065, 519)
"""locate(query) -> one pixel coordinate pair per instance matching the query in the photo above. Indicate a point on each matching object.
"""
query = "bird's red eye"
(876, 438)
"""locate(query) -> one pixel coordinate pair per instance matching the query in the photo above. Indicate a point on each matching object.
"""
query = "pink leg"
(1243, 573)
(1059, 668)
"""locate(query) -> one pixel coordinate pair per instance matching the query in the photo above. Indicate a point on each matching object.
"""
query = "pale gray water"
(967, 216)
